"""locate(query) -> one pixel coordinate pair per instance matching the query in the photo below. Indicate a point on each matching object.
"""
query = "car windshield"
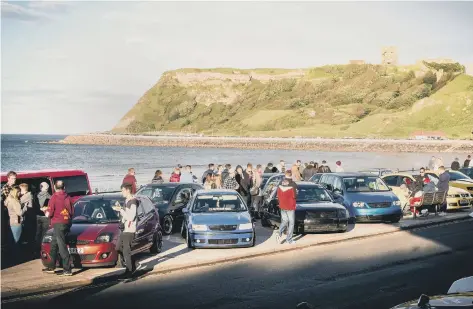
(210, 203)
(161, 194)
(312, 194)
(364, 184)
(457, 175)
(468, 172)
(97, 210)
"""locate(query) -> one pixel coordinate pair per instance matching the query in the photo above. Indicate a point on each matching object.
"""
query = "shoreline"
(316, 144)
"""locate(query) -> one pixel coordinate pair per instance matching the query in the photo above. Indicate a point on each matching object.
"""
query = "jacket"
(175, 178)
(339, 169)
(204, 176)
(230, 183)
(296, 174)
(158, 180)
(26, 201)
(268, 170)
(42, 200)
(244, 182)
(130, 179)
(60, 208)
(466, 163)
(444, 179)
(308, 172)
(455, 165)
(14, 211)
(129, 215)
(429, 188)
(324, 169)
(287, 194)
(187, 177)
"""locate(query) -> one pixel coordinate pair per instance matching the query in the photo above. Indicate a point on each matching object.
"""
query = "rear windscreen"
(75, 185)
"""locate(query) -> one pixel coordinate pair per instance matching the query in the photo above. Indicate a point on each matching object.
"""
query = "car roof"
(111, 195)
(307, 184)
(166, 184)
(217, 191)
(46, 173)
(351, 174)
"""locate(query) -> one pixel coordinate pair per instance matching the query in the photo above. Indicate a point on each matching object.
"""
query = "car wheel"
(264, 221)
(190, 245)
(167, 225)
(157, 246)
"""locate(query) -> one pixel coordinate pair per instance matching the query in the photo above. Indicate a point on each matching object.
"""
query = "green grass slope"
(329, 101)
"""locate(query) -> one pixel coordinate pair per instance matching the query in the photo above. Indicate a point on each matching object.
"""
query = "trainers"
(66, 273)
(292, 242)
(278, 238)
(48, 270)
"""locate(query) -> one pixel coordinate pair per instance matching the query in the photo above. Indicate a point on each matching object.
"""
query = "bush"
(430, 78)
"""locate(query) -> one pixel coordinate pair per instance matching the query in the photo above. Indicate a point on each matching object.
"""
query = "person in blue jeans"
(287, 195)
(15, 212)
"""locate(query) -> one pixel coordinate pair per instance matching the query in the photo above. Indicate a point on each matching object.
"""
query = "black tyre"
(254, 239)
(168, 225)
(190, 245)
(157, 246)
(395, 220)
(264, 221)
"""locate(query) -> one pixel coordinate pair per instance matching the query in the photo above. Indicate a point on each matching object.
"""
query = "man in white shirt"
(339, 168)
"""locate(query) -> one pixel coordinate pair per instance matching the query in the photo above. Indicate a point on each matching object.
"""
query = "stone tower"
(389, 55)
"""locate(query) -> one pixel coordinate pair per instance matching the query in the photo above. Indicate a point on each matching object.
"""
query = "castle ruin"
(389, 55)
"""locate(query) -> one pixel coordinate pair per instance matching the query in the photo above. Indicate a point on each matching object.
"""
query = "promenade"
(27, 278)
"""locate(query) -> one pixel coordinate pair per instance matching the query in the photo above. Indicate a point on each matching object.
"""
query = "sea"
(107, 165)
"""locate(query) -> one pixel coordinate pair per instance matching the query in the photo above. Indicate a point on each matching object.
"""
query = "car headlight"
(342, 213)
(103, 238)
(359, 204)
(199, 227)
(245, 226)
(397, 203)
(47, 239)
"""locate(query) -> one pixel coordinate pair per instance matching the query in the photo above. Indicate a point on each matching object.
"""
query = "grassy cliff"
(329, 101)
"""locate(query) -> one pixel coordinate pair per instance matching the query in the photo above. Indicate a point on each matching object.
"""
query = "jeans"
(16, 231)
(124, 246)
(287, 221)
(59, 243)
(42, 226)
(257, 202)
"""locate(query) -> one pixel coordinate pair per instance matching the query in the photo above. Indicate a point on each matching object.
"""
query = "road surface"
(377, 272)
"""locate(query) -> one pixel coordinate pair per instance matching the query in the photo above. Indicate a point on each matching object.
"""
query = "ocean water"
(106, 165)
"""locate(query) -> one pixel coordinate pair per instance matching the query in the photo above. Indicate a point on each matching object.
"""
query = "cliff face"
(342, 100)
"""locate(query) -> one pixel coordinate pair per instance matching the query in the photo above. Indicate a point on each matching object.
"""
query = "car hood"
(318, 206)
(455, 190)
(371, 197)
(222, 218)
(91, 231)
(443, 301)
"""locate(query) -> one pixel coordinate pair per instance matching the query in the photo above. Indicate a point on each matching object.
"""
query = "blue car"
(217, 219)
(365, 196)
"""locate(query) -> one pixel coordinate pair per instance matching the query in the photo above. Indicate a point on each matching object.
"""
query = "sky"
(77, 67)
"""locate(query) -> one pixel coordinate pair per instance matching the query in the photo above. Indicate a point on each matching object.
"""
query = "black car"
(467, 171)
(316, 211)
(170, 199)
(316, 177)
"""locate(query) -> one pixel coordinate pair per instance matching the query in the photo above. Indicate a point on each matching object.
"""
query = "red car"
(76, 181)
(94, 231)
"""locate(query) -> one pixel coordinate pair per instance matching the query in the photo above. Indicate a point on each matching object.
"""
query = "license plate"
(464, 202)
(76, 250)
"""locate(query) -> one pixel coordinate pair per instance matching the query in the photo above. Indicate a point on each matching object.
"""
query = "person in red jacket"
(130, 179)
(175, 176)
(287, 195)
(60, 211)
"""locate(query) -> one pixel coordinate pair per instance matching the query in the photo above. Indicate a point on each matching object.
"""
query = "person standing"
(255, 191)
(287, 195)
(131, 179)
(230, 182)
(187, 176)
(308, 171)
(158, 177)
(29, 223)
(209, 171)
(60, 211)
(269, 168)
(15, 212)
(42, 220)
(324, 168)
(467, 162)
(281, 167)
(226, 173)
(6, 230)
(443, 185)
(455, 165)
(243, 180)
(295, 170)
(338, 167)
(128, 220)
(175, 176)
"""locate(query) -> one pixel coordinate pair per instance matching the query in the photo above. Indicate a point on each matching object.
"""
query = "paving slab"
(27, 278)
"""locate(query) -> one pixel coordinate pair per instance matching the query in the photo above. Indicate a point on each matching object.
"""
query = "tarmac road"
(377, 272)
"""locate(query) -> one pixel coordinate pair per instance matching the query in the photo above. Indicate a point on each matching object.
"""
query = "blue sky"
(73, 67)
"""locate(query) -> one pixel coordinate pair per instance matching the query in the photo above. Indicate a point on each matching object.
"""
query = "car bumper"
(378, 214)
(230, 239)
(322, 225)
(90, 256)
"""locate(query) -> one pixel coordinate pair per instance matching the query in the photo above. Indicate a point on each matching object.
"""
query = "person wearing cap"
(455, 165)
(338, 167)
(287, 196)
(42, 220)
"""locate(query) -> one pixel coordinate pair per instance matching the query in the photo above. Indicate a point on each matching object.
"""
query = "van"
(76, 181)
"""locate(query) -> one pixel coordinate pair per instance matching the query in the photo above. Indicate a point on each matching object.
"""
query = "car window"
(457, 176)
(75, 185)
(270, 186)
(183, 196)
(97, 210)
(391, 180)
(147, 205)
(212, 203)
(315, 178)
(330, 182)
(364, 184)
(312, 194)
(145, 191)
(467, 171)
(337, 184)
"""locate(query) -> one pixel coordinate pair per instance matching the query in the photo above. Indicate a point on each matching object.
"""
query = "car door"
(270, 186)
(179, 202)
(392, 180)
(273, 209)
(150, 221)
(140, 239)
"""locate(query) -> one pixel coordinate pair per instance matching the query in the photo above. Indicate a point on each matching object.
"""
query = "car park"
(218, 219)
(456, 198)
(316, 211)
(94, 231)
(76, 181)
(170, 199)
(367, 197)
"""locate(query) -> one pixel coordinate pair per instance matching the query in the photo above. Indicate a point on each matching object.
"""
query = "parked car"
(94, 231)
(456, 198)
(457, 180)
(316, 211)
(169, 199)
(367, 197)
(460, 294)
(76, 181)
(218, 219)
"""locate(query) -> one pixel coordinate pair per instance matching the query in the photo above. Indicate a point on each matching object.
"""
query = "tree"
(430, 78)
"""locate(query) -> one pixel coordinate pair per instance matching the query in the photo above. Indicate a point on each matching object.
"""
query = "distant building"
(428, 135)
(389, 55)
(357, 62)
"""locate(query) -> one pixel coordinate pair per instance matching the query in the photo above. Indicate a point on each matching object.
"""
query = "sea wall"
(342, 145)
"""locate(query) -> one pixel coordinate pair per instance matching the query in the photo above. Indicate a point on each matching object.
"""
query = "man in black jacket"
(455, 165)
(467, 161)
